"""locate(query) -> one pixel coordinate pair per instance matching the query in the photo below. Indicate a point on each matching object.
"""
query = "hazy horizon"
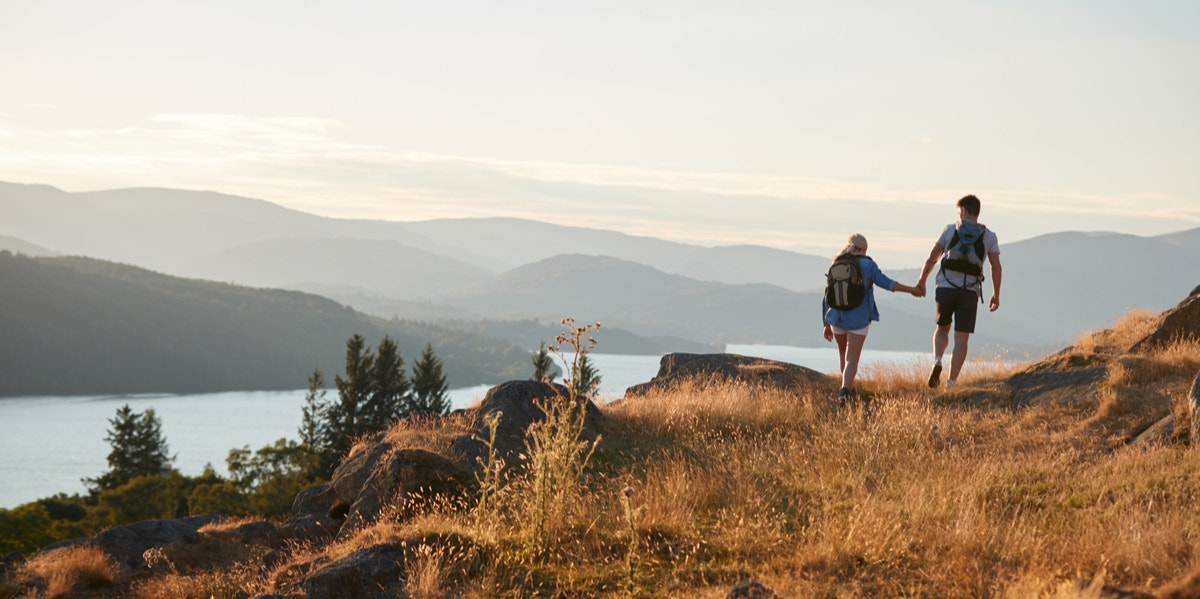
(779, 124)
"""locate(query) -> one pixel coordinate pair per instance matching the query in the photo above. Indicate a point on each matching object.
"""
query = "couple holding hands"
(962, 249)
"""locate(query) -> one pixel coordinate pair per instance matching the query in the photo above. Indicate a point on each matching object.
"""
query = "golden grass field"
(1022, 482)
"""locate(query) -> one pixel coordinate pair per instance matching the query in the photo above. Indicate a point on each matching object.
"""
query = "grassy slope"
(1014, 485)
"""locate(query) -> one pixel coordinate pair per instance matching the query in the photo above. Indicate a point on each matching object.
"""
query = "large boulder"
(516, 404)
(1180, 322)
(401, 479)
(313, 516)
(1194, 413)
(374, 572)
(674, 369)
(129, 544)
(751, 590)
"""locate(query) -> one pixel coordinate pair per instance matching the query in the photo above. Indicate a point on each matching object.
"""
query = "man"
(961, 250)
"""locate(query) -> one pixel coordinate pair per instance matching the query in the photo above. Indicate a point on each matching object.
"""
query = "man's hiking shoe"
(843, 395)
(935, 375)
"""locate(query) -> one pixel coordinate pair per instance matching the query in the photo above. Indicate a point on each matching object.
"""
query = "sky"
(790, 124)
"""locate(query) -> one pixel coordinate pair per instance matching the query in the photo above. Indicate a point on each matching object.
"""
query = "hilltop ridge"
(1072, 477)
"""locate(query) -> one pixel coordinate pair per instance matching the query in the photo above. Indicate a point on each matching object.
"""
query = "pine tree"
(314, 423)
(138, 449)
(389, 394)
(429, 385)
(543, 364)
(345, 418)
(588, 379)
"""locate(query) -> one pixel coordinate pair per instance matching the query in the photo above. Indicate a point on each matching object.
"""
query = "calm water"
(47, 444)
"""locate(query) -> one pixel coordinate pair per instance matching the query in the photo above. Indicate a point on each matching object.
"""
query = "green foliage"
(25, 528)
(270, 478)
(138, 449)
(68, 512)
(315, 433)
(389, 393)
(142, 498)
(217, 497)
(355, 387)
(543, 364)
(429, 386)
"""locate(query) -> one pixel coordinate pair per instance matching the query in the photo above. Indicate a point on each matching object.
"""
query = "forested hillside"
(83, 326)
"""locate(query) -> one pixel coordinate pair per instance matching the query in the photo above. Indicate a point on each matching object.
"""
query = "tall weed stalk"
(558, 453)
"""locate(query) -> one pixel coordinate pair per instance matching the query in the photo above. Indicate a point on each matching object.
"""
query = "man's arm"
(997, 272)
(934, 255)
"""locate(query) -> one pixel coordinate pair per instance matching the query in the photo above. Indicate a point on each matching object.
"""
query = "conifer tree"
(314, 421)
(354, 389)
(389, 394)
(138, 449)
(588, 379)
(429, 385)
(543, 364)
(315, 425)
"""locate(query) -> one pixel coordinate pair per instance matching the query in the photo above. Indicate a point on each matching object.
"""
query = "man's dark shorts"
(959, 304)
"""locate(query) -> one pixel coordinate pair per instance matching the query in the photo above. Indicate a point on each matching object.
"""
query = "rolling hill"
(1055, 286)
(84, 326)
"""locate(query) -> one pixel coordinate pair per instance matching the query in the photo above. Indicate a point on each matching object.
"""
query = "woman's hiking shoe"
(950, 384)
(843, 395)
(935, 375)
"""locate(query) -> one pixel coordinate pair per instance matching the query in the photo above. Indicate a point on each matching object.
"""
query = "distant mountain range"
(462, 271)
(83, 326)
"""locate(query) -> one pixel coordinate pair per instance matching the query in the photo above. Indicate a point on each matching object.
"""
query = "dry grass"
(236, 582)
(1128, 329)
(69, 572)
(910, 493)
(913, 494)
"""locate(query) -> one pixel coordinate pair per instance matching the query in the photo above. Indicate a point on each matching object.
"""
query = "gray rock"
(401, 478)
(312, 517)
(260, 531)
(372, 573)
(128, 544)
(1156, 433)
(1194, 413)
(751, 590)
(674, 369)
(516, 402)
(1180, 322)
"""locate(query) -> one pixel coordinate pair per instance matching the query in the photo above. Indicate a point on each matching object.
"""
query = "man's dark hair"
(971, 203)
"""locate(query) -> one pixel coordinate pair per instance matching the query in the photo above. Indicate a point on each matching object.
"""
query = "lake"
(47, 444)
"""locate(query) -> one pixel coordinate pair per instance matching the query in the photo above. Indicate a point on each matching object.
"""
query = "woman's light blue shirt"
(866, 311)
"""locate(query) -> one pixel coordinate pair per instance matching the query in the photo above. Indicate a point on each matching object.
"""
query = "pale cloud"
(304, 163)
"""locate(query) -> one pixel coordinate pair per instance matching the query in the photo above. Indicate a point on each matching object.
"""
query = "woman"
(849, 327)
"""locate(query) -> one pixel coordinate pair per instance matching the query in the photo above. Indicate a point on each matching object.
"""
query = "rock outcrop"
(674, 369)
(384, 474)
(1180, 322)
(516, 404)
(128, 544)
(751, 590)
(1194, 413)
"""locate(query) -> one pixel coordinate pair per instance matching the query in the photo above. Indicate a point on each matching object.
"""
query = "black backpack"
(966, 251)
(844, 286)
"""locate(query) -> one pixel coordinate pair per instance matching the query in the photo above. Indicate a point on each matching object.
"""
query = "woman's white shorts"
(841, 331)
